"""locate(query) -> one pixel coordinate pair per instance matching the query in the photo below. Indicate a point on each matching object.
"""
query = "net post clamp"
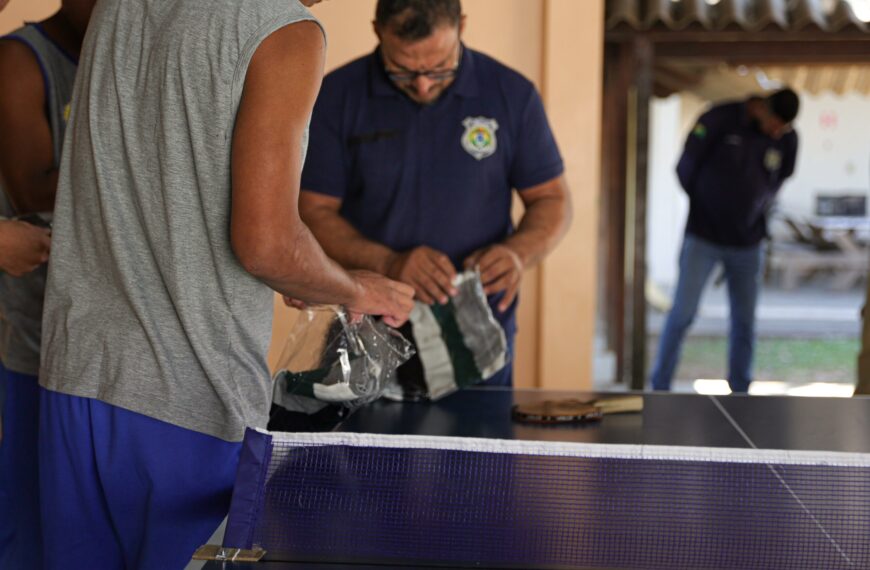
(217, 553)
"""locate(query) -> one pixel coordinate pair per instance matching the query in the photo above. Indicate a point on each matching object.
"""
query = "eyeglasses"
(434, 74)
(437, 75)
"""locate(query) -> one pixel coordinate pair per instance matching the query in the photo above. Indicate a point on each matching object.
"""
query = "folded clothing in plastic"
(330, 367)
(457, 344)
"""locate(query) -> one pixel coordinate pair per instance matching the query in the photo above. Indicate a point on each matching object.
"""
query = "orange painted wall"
(20, 11)
(572, 87)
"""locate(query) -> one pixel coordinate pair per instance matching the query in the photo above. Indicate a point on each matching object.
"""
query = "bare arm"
(427, 270)
(26, 152)
(267, 233)
(340, 239)
(547, 217)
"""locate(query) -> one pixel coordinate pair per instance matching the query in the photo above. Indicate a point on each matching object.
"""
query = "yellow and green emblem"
(479, 139)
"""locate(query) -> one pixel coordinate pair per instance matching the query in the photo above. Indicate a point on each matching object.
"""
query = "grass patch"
(782, 359)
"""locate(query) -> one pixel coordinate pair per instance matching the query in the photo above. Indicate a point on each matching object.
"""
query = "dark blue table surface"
(770, 422)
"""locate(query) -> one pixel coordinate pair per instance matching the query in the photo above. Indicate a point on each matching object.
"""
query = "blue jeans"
(743, 267)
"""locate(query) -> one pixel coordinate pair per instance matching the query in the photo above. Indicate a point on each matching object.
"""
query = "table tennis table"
(738, 422)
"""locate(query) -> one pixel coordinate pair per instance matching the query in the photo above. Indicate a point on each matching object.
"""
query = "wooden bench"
(796, 261)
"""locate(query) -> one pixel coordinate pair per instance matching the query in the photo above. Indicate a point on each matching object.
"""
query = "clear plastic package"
(331, 366)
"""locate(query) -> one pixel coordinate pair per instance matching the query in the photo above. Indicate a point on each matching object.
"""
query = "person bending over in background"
(734, 163)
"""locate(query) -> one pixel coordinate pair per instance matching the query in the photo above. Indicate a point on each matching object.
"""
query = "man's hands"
(431, 273)
(23, 247)
(295, 303)
(378, 295)
(428, 274)
(428, 271)
(501, 269)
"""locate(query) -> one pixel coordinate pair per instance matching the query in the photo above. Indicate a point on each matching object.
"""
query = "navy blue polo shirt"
(439, 175)
(732, 171)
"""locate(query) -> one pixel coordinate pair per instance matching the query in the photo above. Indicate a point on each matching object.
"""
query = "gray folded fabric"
(458, 344)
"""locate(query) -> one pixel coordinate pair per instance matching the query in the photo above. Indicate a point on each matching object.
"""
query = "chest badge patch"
(479, 138)
(772, 160)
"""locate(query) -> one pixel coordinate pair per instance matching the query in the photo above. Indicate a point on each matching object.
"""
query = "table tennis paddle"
(556, 412)
(619, 404)
(572, 410)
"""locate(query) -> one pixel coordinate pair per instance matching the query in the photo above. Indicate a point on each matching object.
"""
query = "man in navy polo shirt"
(735, 161)
(414, 152)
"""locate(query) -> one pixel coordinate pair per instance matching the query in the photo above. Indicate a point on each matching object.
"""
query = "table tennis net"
(513, 504)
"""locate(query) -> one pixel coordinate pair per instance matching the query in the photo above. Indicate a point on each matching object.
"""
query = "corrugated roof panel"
(808, 14)
(844, 17)
(749, 15)
(733, 14)
(622, 12)
(768, 13)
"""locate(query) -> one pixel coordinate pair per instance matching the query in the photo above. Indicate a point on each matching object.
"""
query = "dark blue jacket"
(732, 172)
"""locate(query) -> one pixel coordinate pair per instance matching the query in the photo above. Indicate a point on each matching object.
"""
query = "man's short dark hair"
(785, 104)
(413, 20)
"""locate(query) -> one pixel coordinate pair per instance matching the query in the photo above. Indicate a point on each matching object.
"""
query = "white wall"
(834, 154)
(667, 205)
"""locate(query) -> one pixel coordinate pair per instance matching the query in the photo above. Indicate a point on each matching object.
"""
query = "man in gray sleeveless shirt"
(176, 218)
(38, 63)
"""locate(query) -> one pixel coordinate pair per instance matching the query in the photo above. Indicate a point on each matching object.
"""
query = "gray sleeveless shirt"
(147, 308)
(21, 297)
